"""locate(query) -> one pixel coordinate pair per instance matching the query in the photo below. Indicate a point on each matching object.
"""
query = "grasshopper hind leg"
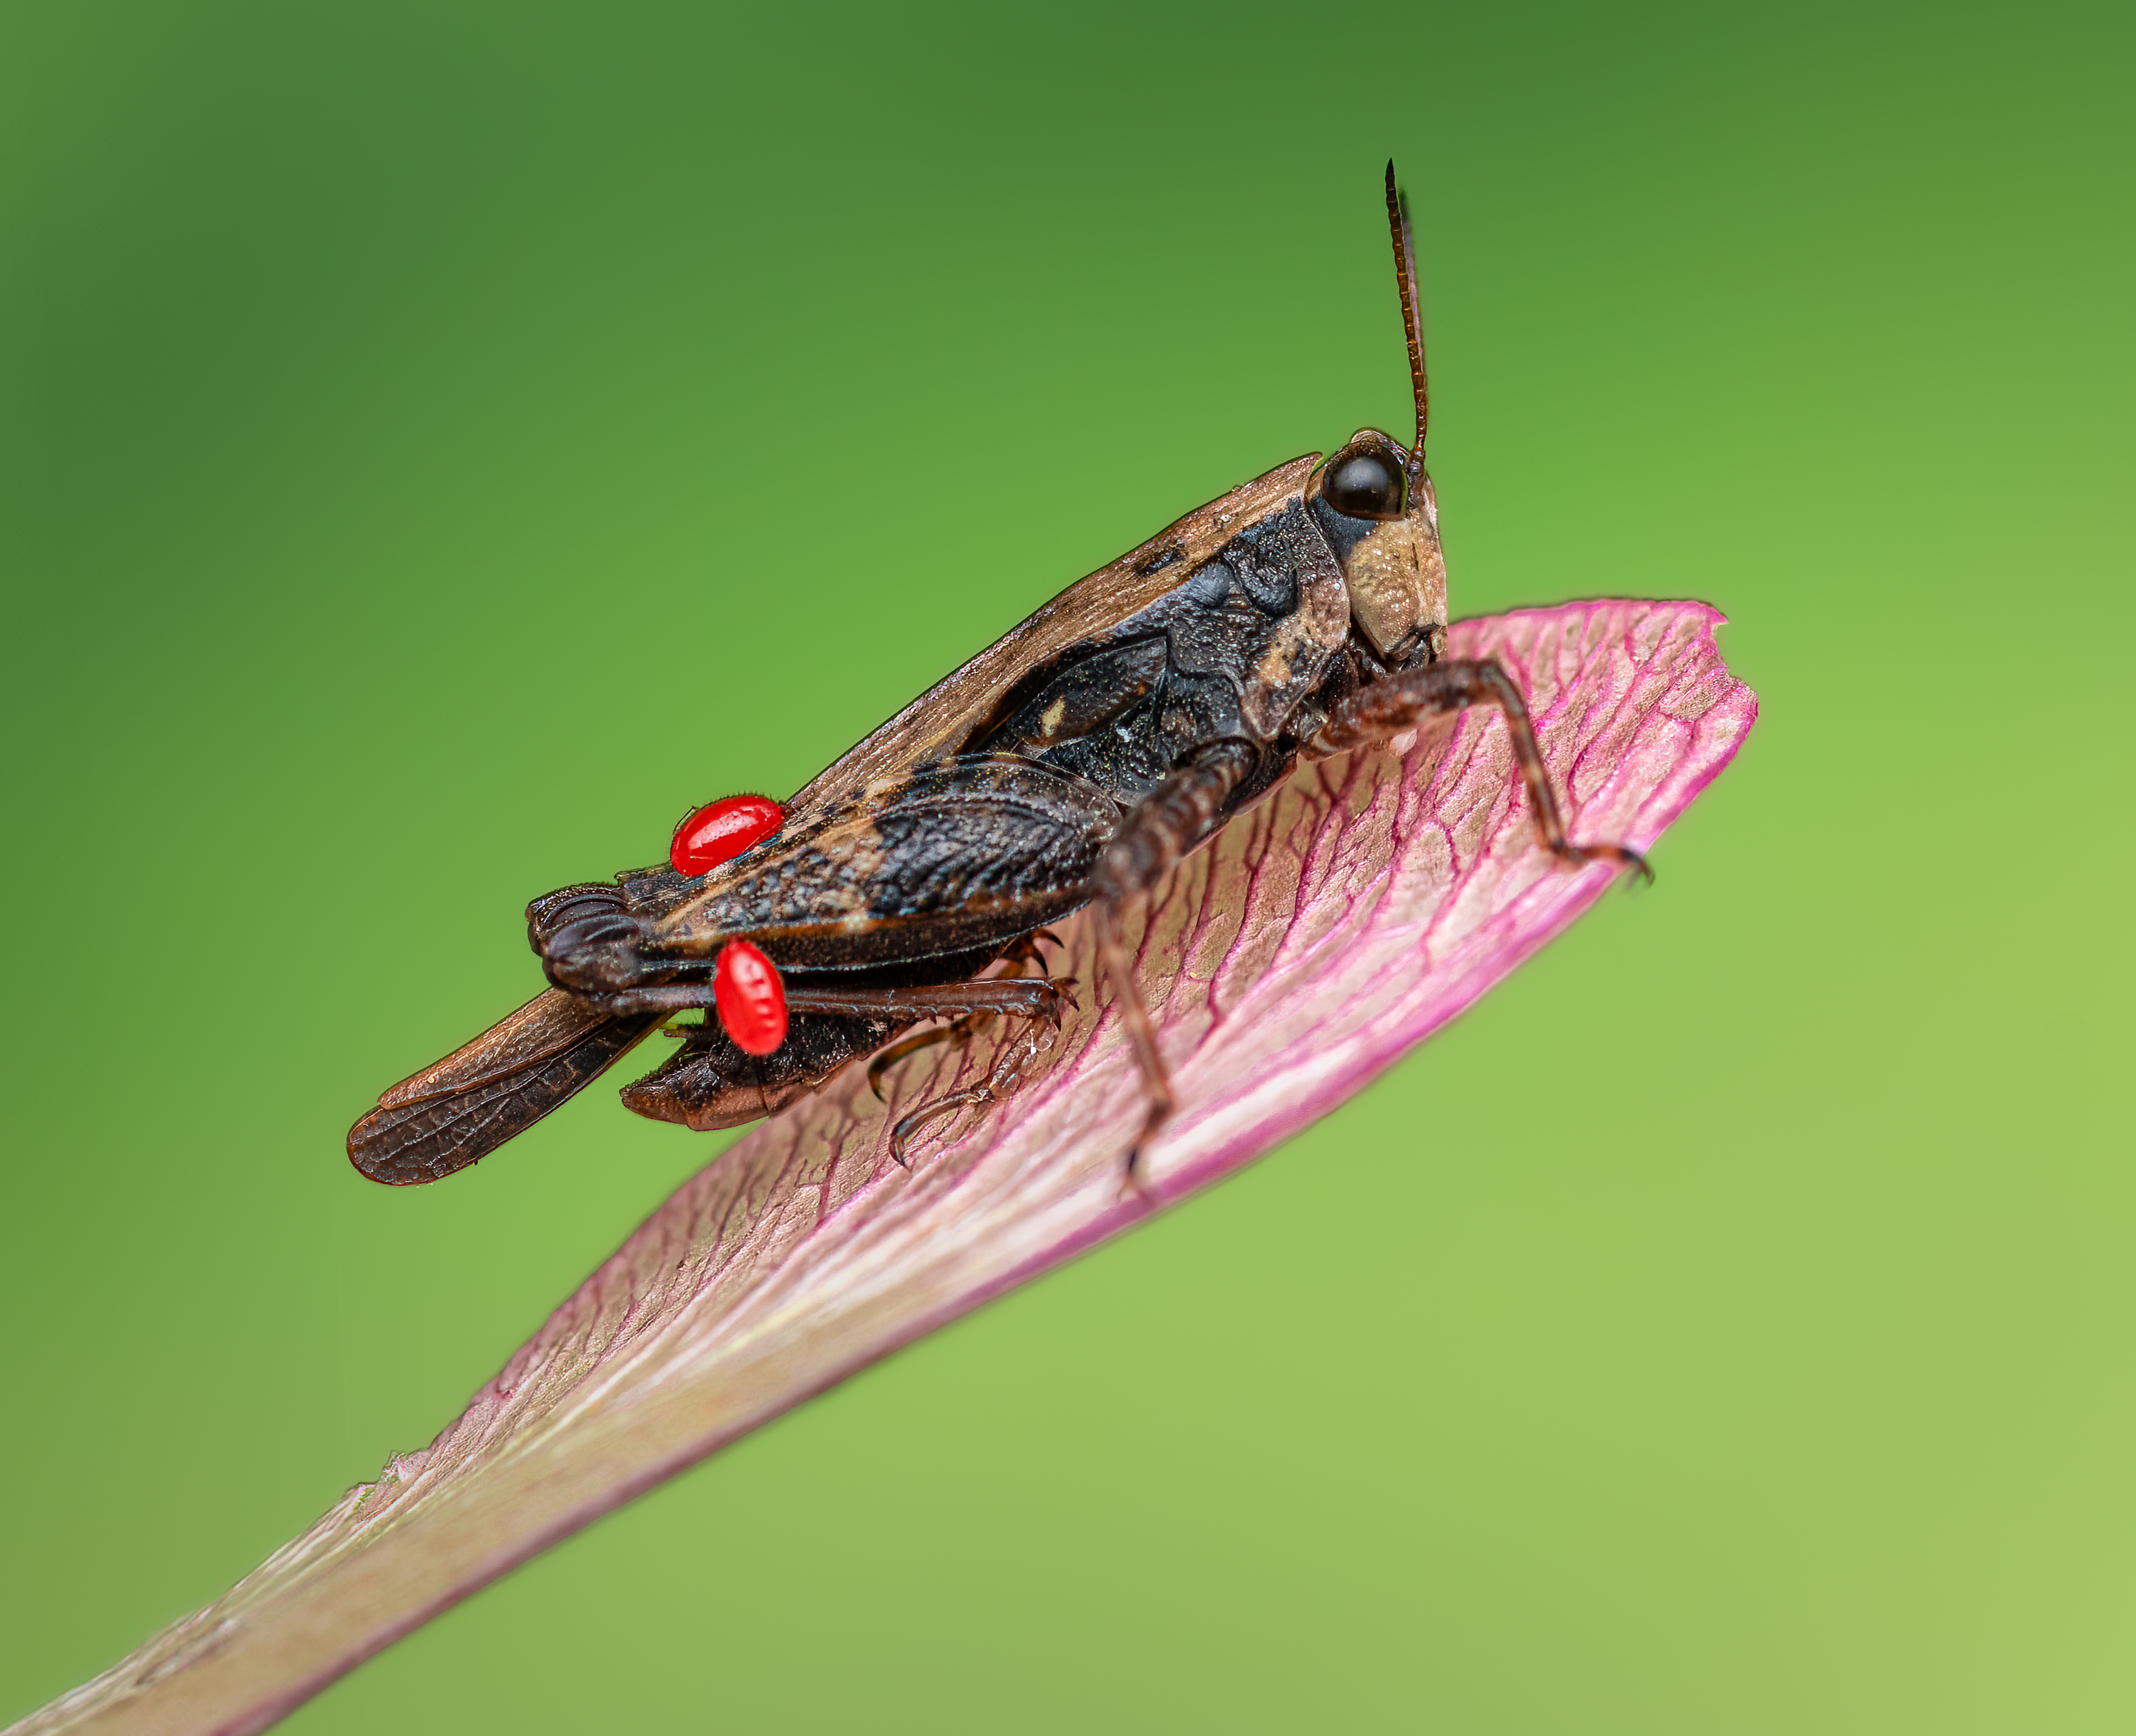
(1164, 827)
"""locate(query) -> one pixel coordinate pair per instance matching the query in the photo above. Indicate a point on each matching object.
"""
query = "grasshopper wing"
(507, 1078)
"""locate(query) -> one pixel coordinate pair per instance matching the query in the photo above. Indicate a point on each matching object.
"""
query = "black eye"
(1363, 485)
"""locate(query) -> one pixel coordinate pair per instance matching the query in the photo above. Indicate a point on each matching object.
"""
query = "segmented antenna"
(1412, 314)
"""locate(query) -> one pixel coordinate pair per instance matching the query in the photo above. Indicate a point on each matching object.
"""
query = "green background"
(445, 440)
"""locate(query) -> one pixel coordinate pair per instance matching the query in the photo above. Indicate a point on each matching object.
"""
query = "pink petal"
(1316, 941)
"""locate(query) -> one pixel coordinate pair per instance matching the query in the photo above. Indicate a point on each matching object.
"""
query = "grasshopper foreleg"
(1396, 702)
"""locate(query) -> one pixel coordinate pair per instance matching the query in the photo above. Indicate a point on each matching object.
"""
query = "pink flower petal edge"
(1311, 945)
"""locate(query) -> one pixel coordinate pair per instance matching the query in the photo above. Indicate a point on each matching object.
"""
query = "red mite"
(752, 999)
(711, 835)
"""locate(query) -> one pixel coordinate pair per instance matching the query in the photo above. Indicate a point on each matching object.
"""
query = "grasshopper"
(1075, 762)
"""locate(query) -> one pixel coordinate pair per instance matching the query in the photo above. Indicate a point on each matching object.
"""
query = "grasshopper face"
(1374, 503)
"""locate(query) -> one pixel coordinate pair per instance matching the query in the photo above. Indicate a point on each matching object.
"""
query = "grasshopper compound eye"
(1363, 485)
(750, 998)
(711, 835)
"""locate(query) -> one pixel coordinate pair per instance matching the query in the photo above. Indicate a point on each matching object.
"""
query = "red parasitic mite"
(750, 998)
(720, 830)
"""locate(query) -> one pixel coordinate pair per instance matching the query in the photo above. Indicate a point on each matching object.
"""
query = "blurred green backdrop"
(445, 440)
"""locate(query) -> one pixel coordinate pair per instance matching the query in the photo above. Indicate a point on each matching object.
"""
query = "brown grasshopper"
(1074, 762)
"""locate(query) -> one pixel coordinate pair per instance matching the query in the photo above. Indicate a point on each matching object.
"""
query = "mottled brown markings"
(848, 867)
(1296, 658)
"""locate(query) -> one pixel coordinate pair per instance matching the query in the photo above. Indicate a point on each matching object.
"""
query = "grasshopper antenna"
(1412, 313)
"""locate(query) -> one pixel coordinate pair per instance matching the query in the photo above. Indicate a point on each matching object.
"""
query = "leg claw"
(1133, 1186)
(1578, 856)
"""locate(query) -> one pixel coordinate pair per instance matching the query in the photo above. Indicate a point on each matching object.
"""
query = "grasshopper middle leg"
(1001, 1079)
(1018, 997)
(1022, 953)
(1164, 827)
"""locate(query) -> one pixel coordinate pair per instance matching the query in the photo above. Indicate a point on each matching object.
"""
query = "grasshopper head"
(1375, 502)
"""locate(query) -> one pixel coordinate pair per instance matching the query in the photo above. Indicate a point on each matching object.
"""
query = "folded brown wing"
(462, 1108)
(550, 1023)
